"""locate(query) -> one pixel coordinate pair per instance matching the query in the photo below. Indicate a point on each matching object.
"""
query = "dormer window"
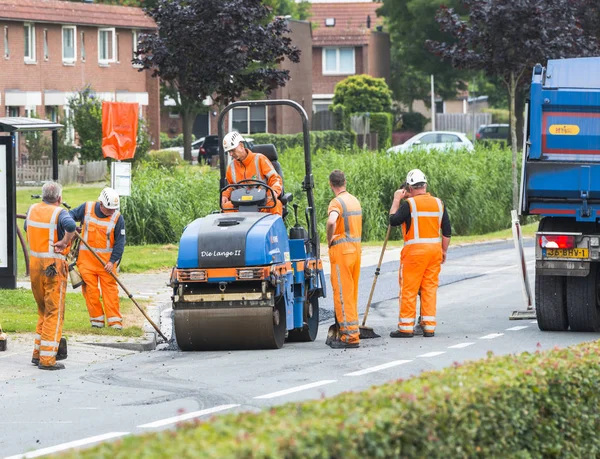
(329, 22)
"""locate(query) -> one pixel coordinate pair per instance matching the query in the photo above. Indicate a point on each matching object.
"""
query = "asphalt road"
(122, 393)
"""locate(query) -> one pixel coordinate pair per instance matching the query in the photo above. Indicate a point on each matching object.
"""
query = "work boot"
(428, 334)
(337, 344)
(62, 350)
(35, 361)
(56, 366)
(399, 334)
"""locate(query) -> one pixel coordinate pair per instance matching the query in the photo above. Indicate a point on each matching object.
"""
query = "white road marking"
(395, 363)
(72, 444)
(492, 336)
(85, 408)
(185, 417)
(460, 346)
(497, 270)
(517, 328)
(432, 354)
(297, 389)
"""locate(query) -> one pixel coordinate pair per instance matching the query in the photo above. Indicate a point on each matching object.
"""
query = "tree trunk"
(187, 119)
(512, 88)
(520, 99)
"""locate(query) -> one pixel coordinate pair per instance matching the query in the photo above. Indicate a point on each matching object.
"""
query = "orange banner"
(119, 129)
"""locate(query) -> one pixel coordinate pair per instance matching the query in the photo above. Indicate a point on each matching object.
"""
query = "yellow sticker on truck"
(564, 129)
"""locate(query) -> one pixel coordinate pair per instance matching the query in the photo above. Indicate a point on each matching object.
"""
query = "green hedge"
(382, 124)
(319, 140)
(531, 405)
(166, 158)
(476, 188)
(413, 121)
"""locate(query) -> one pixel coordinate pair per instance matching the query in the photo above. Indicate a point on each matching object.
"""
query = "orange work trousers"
(345, 272)
(92, 273)
(49, 294)
(420, 270)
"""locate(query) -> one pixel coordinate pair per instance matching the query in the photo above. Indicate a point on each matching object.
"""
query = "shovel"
(368, 332)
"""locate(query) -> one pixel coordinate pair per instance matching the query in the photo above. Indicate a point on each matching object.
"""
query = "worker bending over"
(344, 231)
(426, 230)
(104, 231)
(247, 165)
(50, 230)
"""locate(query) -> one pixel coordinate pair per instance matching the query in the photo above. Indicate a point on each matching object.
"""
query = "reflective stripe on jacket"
(426, 220)
(349, 225)
(42, 230)
(98, 232)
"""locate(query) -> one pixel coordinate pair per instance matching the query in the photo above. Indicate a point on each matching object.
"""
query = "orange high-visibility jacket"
(254, 167)
(42, 231)
(348, 227)
(98, 233)
(426, 220)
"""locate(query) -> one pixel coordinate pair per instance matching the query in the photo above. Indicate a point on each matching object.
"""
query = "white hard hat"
(109, 198)
(232, 140)
(415, 176)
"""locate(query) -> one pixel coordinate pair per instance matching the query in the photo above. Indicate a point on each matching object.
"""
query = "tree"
(217, 49)
(506, 38)
(86, 116)
(362, 93)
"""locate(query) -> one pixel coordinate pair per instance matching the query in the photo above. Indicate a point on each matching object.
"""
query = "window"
(249, 120)
(321, 106)
(6, 49)
(52, 113)
(428, 138)
(134, 43)
(449, 138)
(82, 46)
(117, 47)
(69, 46)
(338, 61)
(107, 45)
(30, 112)
(46, 55)
(29, 36)
(439, 106)
(12, 112)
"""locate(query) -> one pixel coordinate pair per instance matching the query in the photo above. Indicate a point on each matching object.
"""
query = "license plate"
(567, 253)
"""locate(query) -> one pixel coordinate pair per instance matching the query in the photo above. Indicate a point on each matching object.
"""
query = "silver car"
(435, 140)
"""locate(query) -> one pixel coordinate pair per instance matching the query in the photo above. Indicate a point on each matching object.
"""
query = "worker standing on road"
(247, 165)
(426, 230)
(50, 230)
(104, 230)
(344, 231)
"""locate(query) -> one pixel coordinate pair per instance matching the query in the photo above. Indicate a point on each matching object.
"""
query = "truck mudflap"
(565, 254)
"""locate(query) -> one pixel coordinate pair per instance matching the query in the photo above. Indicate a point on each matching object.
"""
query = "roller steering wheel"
(247, 183)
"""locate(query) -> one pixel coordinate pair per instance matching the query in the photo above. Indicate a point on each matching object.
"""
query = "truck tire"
(550, 303)
(582, 302)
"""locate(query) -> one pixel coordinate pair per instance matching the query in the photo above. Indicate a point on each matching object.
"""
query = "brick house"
(348, 39)
(51, 49)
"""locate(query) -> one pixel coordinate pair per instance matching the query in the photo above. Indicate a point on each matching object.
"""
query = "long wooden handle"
(123, 287)
(377, 272)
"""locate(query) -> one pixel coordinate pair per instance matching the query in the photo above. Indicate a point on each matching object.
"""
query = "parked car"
(494, 132)
(435, 140)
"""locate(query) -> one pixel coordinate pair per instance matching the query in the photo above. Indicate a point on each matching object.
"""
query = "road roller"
(242, 279)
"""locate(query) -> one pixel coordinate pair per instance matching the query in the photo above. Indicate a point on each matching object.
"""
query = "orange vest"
(42, 231)
(98, 233)
(426, 220)
(348, 227)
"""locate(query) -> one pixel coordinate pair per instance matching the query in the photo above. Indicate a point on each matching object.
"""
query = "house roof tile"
(62, 12)
(350, 22)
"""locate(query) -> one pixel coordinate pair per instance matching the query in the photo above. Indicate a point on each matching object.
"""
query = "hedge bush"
(319, 140)
(413, 121)
(168, 142)
(166, 158)
(531, 405)
(382, 124)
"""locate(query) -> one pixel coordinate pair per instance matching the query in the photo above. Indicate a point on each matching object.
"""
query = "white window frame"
(114, 45)
(337, 60)
(69, 60)
(82, 38)
(29, 58)
(6, 44)
(46, 51)
(249, 120)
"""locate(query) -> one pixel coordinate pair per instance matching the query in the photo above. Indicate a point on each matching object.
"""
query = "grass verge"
(18, 314)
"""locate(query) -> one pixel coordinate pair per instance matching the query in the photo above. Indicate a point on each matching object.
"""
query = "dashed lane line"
(432, 354)
(72, 444)
(492, 336)
(384, 366)
(460, 345)
(517, 328)
(296, 389)
(185, 417)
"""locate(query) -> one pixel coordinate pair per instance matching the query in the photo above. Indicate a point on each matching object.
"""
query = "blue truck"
(560, 182)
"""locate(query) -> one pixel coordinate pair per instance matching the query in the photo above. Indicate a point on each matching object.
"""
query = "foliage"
(361, 94)
(241, 52)
(86, 116)
(543, 404)
(507, 39)
(499, 115)
(165, 158)
(382, 124)
(39, 144)
(168, 142)
(319, 140)
(164, 201)
(413, 122)
(299, 10)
